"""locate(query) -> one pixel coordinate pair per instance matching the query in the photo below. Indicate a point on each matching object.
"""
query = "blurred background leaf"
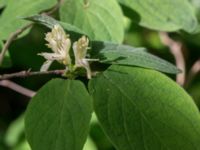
(95, 18)
(10, 19)
(2, 3)
(161, 15)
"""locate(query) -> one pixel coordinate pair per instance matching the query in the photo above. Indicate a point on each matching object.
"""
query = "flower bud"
(80, 51)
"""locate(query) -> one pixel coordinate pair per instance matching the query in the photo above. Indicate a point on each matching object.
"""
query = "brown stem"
(17, 88)
(12, 37)
(176, 50)
(55, 8)
(193, 72)
(28, 73)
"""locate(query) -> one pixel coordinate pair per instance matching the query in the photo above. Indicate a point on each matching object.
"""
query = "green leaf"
(168, 15)
(111, 53)
(51, 22)
(196, 5)
(101, 20)
(58, 117)
(6, 61)
(142, 109)
(43, 20)
(15, 132)
(23, 145)
(10, 19)
(90, 145)
(193, 90)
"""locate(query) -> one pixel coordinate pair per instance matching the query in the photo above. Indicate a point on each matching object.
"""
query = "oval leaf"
(164, 15)
(95, 18)
(58, 117)
(51, 22)
(111, 53)
(142, 109)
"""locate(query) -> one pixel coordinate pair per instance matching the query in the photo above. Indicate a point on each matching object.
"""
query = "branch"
(176, 50)
(193, 72)
(28, 73)
(12, 37)
(17, 88)
(55, 8)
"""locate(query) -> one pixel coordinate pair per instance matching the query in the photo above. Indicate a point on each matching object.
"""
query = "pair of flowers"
(60, 44)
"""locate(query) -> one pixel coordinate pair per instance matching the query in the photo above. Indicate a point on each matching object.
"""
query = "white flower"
(60, 44)
(80, 51)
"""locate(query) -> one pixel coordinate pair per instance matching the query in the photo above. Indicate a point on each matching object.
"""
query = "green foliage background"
(149, 100)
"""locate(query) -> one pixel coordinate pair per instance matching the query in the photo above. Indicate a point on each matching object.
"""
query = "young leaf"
(143, 109)
(111, 53)
(58, 117)
(10, 18)
(163, 15)
(51, 22)
(95, 18)
(6, 61)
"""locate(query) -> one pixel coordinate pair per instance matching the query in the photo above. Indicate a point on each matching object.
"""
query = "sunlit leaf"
(10, 19)
(101, 20)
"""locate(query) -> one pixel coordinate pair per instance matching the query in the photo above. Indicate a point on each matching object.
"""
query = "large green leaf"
(101, 20)
(126, 55)
(58, 117)
(10, 19)
(164, 15)
(7, 60)
(141, 109)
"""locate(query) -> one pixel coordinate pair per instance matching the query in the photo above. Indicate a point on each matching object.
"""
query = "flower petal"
(52, 56)
(46, 65)
(80, 48)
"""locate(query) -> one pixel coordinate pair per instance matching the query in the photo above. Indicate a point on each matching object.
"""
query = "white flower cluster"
(60, 44)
